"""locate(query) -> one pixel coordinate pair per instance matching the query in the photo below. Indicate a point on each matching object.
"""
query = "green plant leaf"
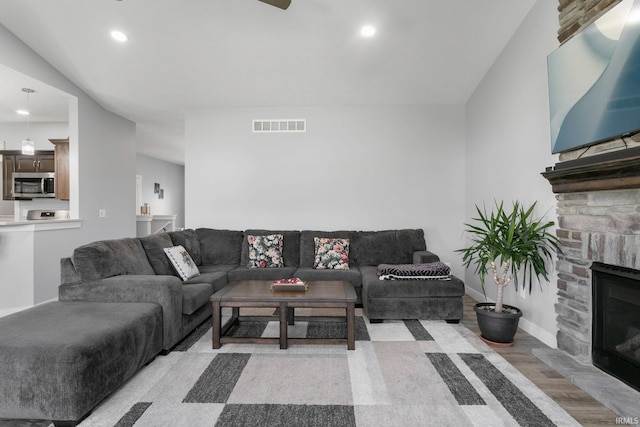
(516, 236)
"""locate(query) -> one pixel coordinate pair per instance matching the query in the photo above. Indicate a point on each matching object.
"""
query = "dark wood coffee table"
(257, 293)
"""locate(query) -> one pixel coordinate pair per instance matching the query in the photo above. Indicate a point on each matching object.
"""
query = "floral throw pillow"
(182, 262)
(331, 253)
(265, 251)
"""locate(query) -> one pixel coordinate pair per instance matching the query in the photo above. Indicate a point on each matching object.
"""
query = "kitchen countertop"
(8, 223)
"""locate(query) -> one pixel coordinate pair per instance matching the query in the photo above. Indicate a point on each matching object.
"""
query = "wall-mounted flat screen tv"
(594, 81)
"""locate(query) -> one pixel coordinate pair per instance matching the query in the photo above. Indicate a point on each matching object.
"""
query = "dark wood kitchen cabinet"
(61, 167)
(8, 167)
(42, 161)
(15, 161)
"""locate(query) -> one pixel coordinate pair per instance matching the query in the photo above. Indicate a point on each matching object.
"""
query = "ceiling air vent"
(281, 125)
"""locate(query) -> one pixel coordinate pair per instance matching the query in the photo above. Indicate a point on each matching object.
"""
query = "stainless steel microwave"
(31, 185)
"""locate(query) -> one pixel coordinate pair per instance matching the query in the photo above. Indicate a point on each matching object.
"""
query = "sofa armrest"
(421, 257)
(163, 290)
(68, 273)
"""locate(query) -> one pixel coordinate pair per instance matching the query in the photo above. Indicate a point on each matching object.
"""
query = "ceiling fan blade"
(282, 4)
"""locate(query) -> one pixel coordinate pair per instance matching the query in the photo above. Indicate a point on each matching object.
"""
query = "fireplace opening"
(616, 322)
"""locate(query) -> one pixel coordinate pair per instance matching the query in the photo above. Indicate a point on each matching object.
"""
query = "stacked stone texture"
(602, 226)
(577, 14)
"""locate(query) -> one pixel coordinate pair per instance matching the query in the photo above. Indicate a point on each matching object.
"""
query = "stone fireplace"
(598, 222)
(600, 226)
(598, 216)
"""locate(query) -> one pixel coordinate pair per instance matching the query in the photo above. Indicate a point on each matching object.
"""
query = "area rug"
(402, 373)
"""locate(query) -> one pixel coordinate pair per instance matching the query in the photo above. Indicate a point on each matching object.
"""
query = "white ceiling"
(46, 103)
(193, 54)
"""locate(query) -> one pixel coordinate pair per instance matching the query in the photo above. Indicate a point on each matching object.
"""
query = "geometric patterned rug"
(401, 373)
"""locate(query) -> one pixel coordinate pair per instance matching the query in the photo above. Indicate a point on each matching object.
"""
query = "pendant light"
(28, 147)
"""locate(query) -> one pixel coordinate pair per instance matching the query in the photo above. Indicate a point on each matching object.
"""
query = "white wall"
(170, 176)
(40, 133)
(508, 145)
(364, 168)
(102, 151)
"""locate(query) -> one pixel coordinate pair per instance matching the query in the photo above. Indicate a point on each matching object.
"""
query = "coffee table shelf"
(257, 294)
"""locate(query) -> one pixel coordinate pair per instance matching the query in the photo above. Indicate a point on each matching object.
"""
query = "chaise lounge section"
(60, 359)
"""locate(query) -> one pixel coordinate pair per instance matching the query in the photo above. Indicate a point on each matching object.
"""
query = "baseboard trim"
(475, 294)
(541, 334)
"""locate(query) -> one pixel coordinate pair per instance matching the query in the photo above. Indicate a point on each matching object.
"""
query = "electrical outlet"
(102, 213)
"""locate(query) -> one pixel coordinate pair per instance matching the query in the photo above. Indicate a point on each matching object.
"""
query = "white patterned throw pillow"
(182, 262)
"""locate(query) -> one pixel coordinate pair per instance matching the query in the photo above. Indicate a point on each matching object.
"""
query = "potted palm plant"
(505, 243)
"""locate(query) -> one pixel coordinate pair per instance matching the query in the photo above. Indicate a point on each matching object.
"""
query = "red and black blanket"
(427, 271)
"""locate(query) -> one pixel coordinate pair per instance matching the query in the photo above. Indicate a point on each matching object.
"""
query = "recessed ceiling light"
(23, 112)
(368, 31)
(119, 36)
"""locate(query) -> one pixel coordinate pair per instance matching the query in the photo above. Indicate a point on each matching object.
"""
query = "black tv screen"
(594, 81)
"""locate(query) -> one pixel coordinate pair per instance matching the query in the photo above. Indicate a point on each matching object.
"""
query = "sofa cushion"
(389, 246)
(194, 296)
(265, 251)
(217, 279)
(224, 268)
(308, 246)
(131, 255)
(331, 254)
(154, 246)
(182, 262)
(95, 261)
(219, 246)
(310, 274)
(290, 246)
(188, 239)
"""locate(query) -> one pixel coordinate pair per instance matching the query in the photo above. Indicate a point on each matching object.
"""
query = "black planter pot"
(497, 327)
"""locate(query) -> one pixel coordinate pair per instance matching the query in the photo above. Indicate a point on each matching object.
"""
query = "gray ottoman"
(61, 359)
(411, 299)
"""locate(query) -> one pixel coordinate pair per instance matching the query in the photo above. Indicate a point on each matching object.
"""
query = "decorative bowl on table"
(291, 284)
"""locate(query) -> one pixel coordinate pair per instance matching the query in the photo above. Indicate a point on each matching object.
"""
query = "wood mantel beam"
(611, 171)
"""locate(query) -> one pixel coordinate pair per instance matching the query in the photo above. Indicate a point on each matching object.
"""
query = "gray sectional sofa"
(122, 303)
(137, 269)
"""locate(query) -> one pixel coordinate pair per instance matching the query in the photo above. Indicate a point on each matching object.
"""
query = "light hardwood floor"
(586, 410)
